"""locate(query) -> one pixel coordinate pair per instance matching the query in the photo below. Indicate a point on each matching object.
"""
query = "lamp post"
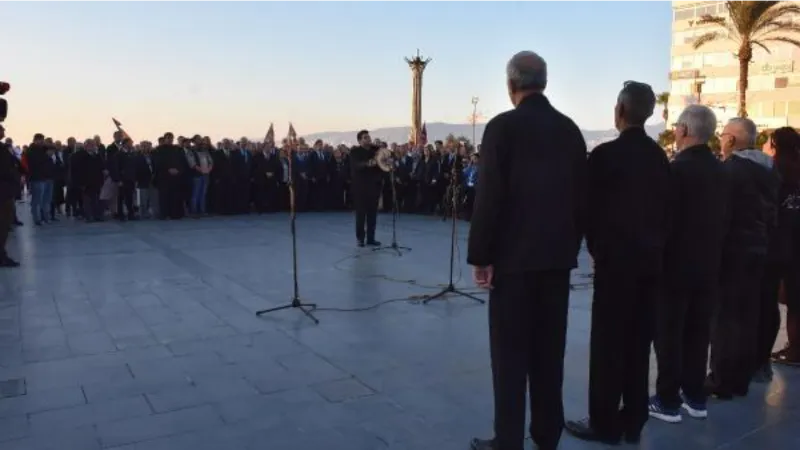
(474, 118)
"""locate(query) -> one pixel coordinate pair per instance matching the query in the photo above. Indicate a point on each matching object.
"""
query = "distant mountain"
(439, 130)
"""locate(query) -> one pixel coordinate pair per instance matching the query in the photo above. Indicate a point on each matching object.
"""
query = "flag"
(292, 136)
(423, 135)
(270, 134)
(118, 124)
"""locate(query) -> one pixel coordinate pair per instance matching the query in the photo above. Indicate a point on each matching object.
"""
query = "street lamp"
(474, 120)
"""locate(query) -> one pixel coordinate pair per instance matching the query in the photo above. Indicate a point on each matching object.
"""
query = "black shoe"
(374, 243)
(8, 263)
(360, 243)
(482, 444)
(38, 224)
(582, 429)
(17, 223)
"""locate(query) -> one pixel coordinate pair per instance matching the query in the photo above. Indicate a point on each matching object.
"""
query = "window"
(781, 82)
(779, 109)
(761, 83)
(681, 87)
(719, 85)
(683, 14)
(719, 59)
(794, 108)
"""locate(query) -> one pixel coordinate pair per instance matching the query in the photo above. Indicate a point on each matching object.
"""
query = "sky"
(229, 69)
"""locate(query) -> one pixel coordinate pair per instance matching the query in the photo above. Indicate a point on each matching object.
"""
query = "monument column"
(417, 66)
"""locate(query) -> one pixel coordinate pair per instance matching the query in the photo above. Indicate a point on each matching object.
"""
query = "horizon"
(172, 75)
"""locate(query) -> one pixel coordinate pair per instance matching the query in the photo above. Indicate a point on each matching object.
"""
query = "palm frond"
(777, 28)
(762, 46)
(705, 38)
(779, 13)
(781, 39)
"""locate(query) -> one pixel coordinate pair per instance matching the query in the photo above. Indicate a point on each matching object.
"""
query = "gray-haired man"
(699, 223)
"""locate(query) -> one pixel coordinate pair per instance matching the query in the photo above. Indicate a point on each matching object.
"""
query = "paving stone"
(157, 425)
(200, 392)
(12, 388)
(33, 402)
(145, 338)
(340, 390)
(89, 414)
(91, 343)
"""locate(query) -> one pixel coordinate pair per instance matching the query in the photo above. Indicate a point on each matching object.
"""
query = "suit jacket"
(530, 204)
(365, 179)
(9, 173)
(698, 216)
(629, 194)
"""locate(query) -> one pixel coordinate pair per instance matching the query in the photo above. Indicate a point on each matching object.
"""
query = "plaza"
(142, 336)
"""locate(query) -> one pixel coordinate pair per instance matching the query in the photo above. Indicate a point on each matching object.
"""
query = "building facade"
(710, 75)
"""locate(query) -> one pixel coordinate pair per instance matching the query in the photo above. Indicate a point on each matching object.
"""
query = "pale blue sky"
(229, 69)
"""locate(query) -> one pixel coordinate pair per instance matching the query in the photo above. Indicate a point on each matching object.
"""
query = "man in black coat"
(367, 177)
(629, 191)
(753, 213)
(523, 245)
(699, 222)
(9, 187)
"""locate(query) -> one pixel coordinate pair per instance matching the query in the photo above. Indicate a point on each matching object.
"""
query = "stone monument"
(417, 66)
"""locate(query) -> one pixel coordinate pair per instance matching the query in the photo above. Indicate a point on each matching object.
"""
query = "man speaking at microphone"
(366, 188)
(525, 235)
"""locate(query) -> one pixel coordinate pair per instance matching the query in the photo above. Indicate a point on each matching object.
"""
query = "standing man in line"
(629, 189)
(367, 177)
(9, 188)
(753, 198)
(699, 224)
(526, 232)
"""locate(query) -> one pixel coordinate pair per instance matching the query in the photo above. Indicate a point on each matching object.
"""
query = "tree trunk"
(745, 56)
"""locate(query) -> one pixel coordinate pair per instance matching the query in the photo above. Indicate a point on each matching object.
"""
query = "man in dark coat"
(9, 188)
(366, 179)
(629, 189)
(699, 223)
(753, 213)
(523, 245)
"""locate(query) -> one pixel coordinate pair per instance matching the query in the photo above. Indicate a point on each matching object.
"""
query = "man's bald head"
(527, 72)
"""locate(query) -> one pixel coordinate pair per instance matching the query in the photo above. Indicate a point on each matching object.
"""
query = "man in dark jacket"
(9, 187)
(524, 240)
(629, 188)
(699, 221)
(367, 177)
(753, 212)
(40, 177)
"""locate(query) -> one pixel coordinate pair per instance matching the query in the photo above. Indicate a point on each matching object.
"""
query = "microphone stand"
(305, 308)
(393, 246)
(451, 288)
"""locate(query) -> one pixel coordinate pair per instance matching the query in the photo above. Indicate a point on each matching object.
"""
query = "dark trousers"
(125, 195)
(527, 333)
(92, 208)
(74, 201)
(770, 314)
(734, 328)
(366, 200)
(683, 332)
(623, 322)
(7, 215)
(171, 197)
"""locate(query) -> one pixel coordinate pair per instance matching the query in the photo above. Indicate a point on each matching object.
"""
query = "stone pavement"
(141, 336)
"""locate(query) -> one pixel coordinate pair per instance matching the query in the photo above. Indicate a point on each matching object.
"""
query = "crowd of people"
(191, 177)
(688, 254)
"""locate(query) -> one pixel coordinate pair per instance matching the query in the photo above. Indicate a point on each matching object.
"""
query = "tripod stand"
(393, 246)
(451, 288)
(305, 308)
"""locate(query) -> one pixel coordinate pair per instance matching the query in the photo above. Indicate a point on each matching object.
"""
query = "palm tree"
(663, 99)
(752, 24)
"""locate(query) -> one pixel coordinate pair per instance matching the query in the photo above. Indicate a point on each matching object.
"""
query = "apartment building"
(710, 74)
